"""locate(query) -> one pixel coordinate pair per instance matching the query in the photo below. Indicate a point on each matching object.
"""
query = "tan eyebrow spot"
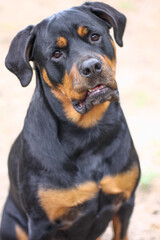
(62, 42)
(82, 31)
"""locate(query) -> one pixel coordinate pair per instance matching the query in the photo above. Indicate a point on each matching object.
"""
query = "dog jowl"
(73, 168)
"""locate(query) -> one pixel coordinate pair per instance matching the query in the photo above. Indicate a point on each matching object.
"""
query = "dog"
(73, 168)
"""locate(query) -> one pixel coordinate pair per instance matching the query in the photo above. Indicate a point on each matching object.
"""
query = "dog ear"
(112, 17)
(19, 55)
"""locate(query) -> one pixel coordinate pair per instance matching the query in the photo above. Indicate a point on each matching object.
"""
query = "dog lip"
(94, 96)
(98, 88)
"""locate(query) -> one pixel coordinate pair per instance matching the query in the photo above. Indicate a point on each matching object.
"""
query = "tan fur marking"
(20, 233)
(114, 46)
(121, 183)
(111, 63)
(57, 203)
(65, 93)
(125, 238)
(46, 78)
(117, 229)
(61, 42)
(110, 69)
(82, 31)
(68, 91)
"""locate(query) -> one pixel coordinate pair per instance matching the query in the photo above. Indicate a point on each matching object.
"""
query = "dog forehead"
(67, 20)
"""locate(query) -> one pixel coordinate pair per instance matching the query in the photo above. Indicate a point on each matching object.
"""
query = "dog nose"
(91, 67)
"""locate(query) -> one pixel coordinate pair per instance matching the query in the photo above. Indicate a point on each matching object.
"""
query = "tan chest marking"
(122, 183)
(57, 203)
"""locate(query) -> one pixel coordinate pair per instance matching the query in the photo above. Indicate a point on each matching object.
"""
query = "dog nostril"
(86, 71)
(98, 67)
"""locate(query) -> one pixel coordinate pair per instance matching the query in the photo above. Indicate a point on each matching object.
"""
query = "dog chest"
(69, 206)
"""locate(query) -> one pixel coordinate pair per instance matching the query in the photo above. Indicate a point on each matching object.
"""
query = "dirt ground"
(138, 76)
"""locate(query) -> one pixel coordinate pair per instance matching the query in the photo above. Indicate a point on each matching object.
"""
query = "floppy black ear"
(17, 60)
(114, 18)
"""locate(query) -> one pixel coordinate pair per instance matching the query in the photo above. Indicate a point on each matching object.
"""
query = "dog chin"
(94, 97)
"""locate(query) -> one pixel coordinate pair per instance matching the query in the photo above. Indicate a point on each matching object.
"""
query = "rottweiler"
(73, 168)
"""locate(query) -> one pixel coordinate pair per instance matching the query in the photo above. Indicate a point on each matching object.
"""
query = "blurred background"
(138, 77)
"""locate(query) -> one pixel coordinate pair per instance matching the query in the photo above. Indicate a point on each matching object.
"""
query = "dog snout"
(90, 67)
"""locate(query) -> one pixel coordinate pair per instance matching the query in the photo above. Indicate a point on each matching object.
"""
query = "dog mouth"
(94, 96)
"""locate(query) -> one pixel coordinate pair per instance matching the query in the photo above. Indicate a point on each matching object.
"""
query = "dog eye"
(95, 37)
(57, 54)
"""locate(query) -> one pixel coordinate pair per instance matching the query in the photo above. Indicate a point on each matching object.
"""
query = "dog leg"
(121, 220)
(11, 228)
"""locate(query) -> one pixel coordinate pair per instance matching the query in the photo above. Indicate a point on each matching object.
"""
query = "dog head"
(76, 58)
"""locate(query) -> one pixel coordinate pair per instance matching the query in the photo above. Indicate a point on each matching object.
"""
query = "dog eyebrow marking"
(20, 233)
(58, 202)
(61, 42)
(122, 183)
(82, 31)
